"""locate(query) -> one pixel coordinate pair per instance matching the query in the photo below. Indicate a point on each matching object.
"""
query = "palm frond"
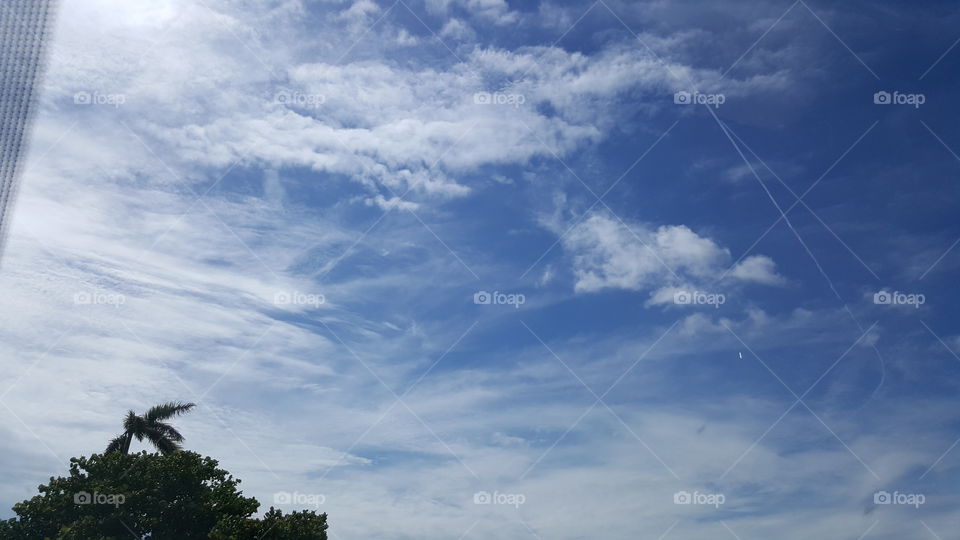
(166, 410)
(116, 444)
(168, 431)
(133, 422)
(163, 444)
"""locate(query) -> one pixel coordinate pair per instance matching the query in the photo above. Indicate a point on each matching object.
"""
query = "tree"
(181, 495)
(274, 526)
(152, 427)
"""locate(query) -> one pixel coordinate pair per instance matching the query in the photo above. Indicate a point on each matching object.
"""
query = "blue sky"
(284, 211)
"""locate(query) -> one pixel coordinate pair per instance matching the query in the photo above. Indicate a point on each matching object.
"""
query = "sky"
(460, 269)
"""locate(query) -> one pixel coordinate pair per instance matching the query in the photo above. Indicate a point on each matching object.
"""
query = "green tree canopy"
(180, 495)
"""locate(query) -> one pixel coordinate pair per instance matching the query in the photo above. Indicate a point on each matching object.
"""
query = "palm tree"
(152, 427)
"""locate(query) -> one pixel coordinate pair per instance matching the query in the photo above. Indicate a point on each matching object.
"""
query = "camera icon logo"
(82, 298)
(82, 497)
(482, 298)
(881, 497)
(482, 497)
(682, 497)
(281, 298)
(482, 98)
(682, 98)
(882, 297)
(82, 98)
(682, 297)
(882, 98)
(282, 97)
(282, 497)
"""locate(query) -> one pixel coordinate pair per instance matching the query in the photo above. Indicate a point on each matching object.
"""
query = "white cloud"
(496, 11)
(406, 39)
(361, 14)
(456, 29)
(757, 269)
(486, 11)
(385, 124)
(607, 253)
